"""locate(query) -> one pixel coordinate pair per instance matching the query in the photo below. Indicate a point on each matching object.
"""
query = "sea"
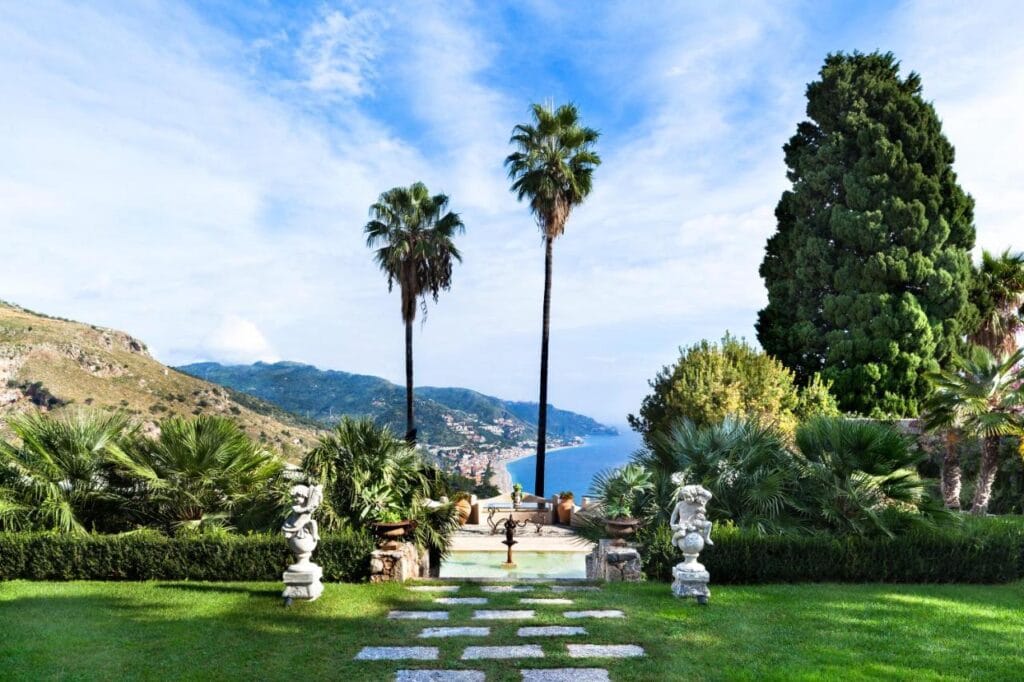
(574, 468)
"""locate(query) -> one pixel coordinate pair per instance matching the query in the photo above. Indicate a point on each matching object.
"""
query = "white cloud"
(160, 181)
(338, 51)
(238, 341)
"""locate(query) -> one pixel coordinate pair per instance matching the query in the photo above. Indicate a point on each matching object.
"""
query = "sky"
(199, 174)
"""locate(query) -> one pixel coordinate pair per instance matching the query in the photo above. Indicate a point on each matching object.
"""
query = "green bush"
(148, 555)
(983, 551)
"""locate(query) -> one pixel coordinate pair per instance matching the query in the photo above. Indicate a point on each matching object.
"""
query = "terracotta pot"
(465, 509)
(620, 529)
(391, 530)
(565, 506)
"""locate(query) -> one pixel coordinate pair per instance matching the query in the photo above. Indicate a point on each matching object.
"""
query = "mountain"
(448, 417)
(54, 364)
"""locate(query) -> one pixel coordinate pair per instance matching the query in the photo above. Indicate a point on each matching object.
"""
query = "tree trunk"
(951, 472)
(410, 423)
(986, 474)
(542, 413)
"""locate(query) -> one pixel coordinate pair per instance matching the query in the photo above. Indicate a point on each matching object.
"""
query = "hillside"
(54, 364)
(448, 417)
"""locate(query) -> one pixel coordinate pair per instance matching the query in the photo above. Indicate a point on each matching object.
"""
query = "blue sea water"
(573, 468)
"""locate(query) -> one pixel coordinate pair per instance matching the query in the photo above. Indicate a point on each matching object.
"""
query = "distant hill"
(54, 364)
(444, 416)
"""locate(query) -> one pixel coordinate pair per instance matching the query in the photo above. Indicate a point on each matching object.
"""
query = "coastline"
(503, 479)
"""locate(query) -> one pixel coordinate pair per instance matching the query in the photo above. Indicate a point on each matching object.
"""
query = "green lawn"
(240, 631)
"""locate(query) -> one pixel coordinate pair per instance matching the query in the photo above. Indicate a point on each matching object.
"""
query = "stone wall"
(398, 565)
(614, 563)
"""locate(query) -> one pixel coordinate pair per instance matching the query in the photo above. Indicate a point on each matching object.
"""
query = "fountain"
(510, 530)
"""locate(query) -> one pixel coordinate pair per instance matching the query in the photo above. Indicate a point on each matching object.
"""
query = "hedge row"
(151, 556)
(972, 553)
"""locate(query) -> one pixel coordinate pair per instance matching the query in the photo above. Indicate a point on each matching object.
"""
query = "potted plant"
(517, 495)
(387, 518)
(463, 504)
(618, 493)
(565, 505)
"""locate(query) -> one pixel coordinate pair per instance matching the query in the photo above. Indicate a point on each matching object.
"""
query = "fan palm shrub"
(743, 461)
(413, 233)
(839, 475)
(56, 474)
(982, 399)
(552, 167)
(369, 475)
(860, 476)
(202, 474)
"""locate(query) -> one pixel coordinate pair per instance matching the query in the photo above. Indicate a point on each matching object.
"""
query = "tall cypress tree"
(869, 270)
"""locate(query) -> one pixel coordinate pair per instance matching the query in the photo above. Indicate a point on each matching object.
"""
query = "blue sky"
(199, 174)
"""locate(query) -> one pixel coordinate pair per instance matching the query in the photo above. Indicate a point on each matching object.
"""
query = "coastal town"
(489, 447)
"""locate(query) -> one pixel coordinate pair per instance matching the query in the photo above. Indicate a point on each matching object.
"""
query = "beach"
(502, 478)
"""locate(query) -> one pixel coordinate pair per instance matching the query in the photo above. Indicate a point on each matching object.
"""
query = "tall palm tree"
(57, 476)
(1000, 298)
(998, 293)
(984, 400)
(413, 231)
(553, 167)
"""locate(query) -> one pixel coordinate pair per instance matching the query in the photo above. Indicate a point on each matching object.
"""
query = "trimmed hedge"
(149, 555)
(978, 551)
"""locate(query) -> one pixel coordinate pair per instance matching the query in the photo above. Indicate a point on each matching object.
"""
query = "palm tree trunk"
(951, 475)
(542, 414)
(410, 422)
(986, 475)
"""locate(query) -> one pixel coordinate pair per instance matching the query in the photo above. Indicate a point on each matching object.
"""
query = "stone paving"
(510, 652)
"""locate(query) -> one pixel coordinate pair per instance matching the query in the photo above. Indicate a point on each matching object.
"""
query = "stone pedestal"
(614, 563)
(690, 579)
(303, 582)
(396, 565)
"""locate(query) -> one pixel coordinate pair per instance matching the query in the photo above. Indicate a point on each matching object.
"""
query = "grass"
(182, 630)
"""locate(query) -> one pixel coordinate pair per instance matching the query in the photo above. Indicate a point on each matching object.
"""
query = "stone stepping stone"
(501, 589)
(604, 650)
(418, 615)
(565, 675)
(473, 653)
(433, 588)
(545, 601)
(397, 653)
(455, 632)
(552, 631)
(461, 600)
(440, 676)
(609, 613)
(502, 615)
(575, 588)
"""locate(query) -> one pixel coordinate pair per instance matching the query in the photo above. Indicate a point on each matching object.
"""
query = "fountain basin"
(555, 565)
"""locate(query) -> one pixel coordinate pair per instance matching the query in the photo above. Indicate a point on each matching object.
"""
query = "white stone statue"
(691, 531)
(302, 579)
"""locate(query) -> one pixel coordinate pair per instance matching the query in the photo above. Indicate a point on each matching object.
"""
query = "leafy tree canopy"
(711, 381)
(869, 271)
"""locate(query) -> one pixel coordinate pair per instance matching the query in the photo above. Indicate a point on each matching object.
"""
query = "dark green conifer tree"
(869, 270)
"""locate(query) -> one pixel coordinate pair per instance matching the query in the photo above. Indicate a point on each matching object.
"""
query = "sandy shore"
(503, 479)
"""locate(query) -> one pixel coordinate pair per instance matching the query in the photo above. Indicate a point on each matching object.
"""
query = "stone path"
(454, 632)
(511, 652)
(418, 615)
(461, 600)
(441, 676)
